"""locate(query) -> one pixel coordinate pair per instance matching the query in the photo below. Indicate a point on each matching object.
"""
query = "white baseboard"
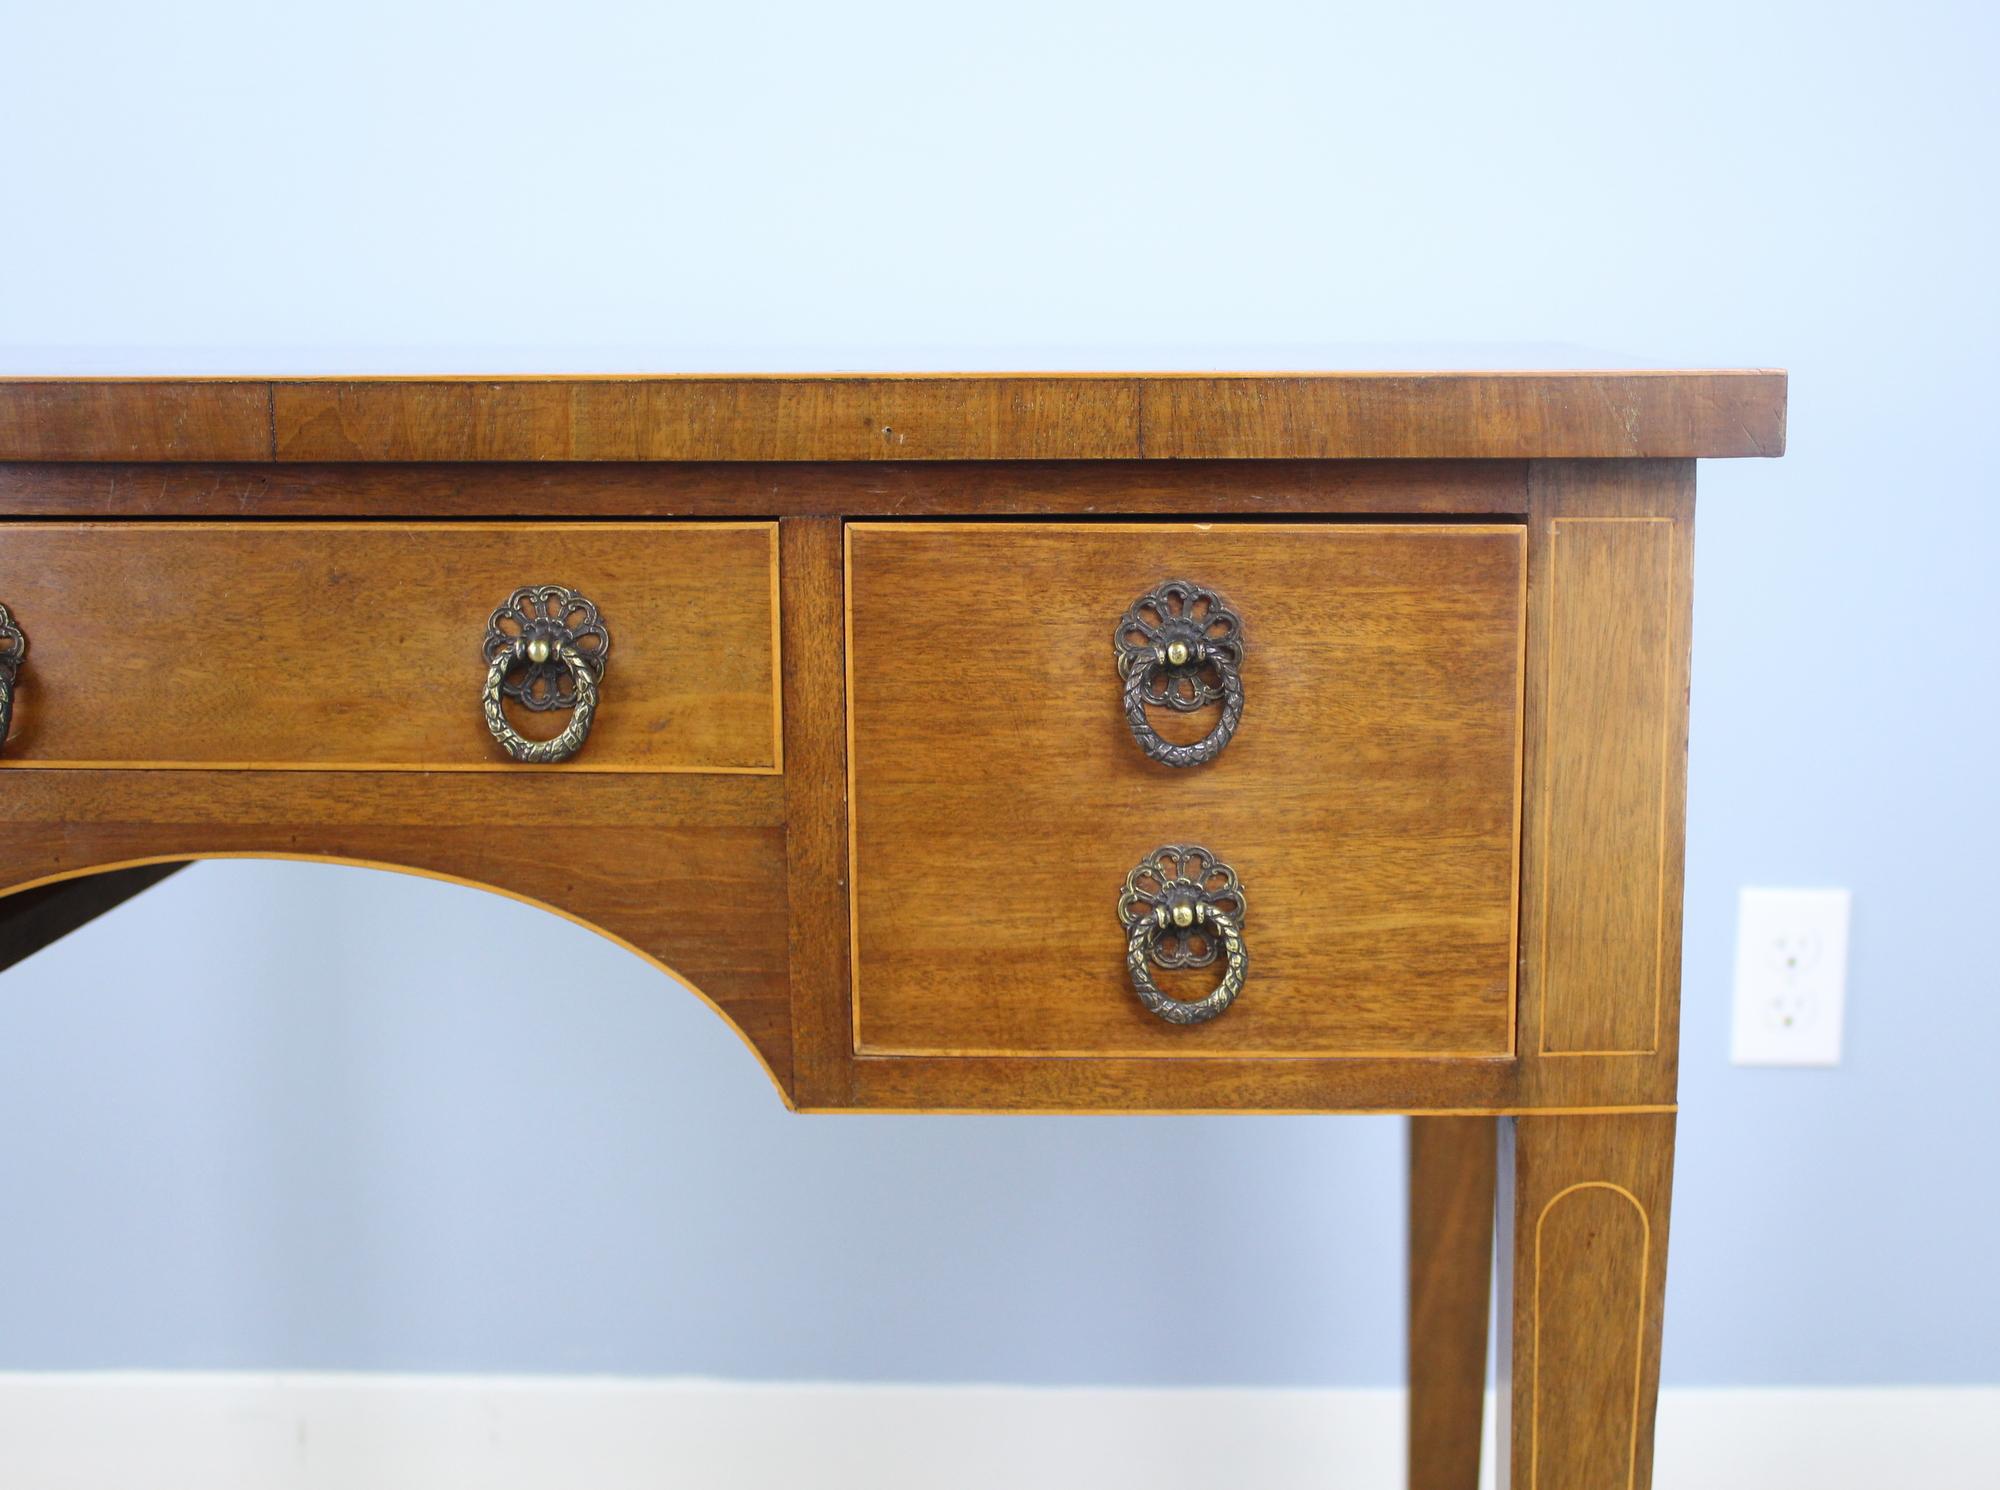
(202, 1431)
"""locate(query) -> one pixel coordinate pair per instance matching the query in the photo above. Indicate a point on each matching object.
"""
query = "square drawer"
(357, 646)
(1369, 798)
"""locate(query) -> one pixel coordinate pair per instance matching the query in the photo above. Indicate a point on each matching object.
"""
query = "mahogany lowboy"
(862, 766)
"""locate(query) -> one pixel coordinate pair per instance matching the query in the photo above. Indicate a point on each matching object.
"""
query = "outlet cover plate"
(1791, 977)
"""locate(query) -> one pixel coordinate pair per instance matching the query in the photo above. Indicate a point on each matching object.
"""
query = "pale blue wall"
(293, 1116)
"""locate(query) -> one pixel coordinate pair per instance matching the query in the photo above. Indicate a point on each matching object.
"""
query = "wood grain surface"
(759, 489)
(1494, 1085)
(868, 417)
(1456, 416)
(816, 807)
(1452, 1175)
(856, 418)
(135, 419)
(1610, 778)
(1609, 618)
(358, 645)
(1368, 801)
(1584, 1202)
(687, 871)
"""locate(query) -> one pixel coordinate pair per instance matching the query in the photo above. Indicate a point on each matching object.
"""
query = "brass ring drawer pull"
(1183, 907)
(13, 649)
(546, 647)
(1180, 647)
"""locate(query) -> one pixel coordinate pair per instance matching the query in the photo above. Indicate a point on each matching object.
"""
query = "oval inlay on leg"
(1592, 1252)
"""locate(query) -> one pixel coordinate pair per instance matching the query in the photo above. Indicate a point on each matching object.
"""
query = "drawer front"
(358, 646)
(1368, 799)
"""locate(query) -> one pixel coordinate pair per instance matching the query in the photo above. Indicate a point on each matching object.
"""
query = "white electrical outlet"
(1791, 977)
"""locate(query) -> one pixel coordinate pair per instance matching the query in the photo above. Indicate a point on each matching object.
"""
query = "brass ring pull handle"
(1183, 907)
(13, 649)
(546, 647)
(1180, 647)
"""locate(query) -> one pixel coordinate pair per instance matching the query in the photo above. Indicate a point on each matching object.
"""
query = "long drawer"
(328, 645)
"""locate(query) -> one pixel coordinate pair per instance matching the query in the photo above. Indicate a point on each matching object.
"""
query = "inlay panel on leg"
(1583, 1202)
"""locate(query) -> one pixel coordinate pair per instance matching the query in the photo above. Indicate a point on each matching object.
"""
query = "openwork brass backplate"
(1180, 647)
(1182, 907)
(1170, 886)
(547, 648)
(13, 651)
(13, 644)
(1181, 635)
(531, 630)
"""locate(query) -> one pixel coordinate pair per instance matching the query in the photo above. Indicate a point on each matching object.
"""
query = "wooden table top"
(901, 417)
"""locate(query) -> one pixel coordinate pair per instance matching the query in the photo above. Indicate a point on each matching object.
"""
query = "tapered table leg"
(1451, 1273)
(1583, 1254)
